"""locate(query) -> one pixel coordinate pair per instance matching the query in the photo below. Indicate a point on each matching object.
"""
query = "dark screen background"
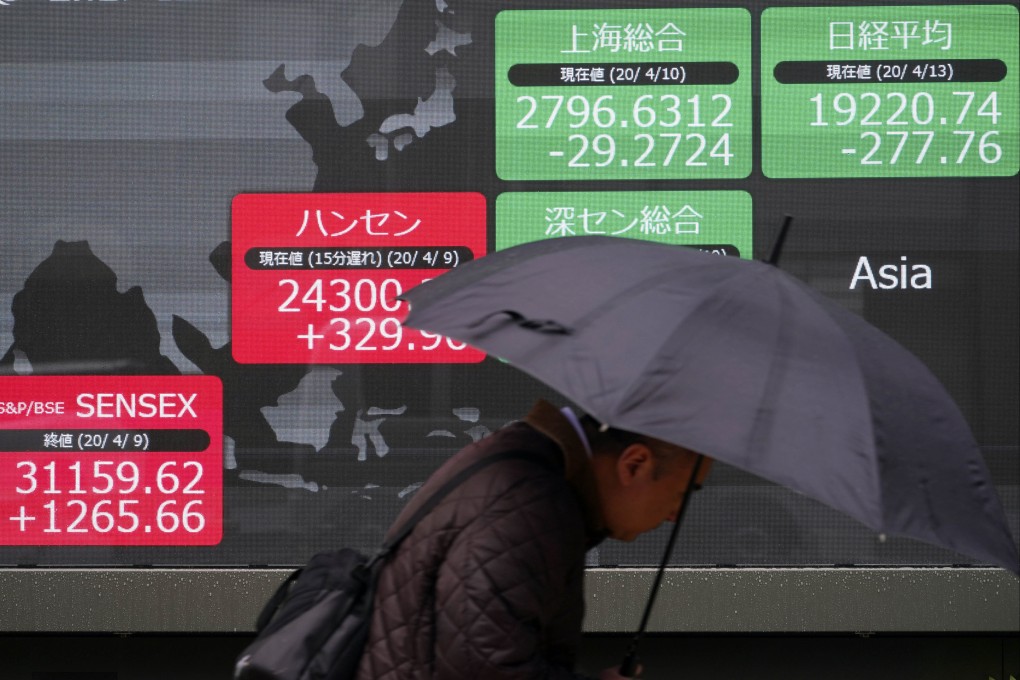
(126, 128)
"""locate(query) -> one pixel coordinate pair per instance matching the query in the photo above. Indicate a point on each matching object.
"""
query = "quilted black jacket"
(488, 586)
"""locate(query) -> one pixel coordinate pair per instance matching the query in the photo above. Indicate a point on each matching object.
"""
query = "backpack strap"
(270, 608)
(443, 491)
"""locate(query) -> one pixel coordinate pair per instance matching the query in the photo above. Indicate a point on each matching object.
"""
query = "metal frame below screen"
(692, 600)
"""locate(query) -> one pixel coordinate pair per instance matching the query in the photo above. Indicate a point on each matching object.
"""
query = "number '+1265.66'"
(105, 516)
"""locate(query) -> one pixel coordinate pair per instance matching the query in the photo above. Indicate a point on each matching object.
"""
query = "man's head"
(641, 480)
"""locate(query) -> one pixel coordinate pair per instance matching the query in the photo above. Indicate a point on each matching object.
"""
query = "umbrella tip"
(777, 247)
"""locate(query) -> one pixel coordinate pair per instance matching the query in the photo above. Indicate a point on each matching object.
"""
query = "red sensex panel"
(111, 460)
(315, 276)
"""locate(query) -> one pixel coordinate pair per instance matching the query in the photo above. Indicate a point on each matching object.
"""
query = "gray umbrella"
(740, 361)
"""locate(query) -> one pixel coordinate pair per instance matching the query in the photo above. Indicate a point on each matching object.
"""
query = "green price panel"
(890, 91)
(716, 221)
(623, 94)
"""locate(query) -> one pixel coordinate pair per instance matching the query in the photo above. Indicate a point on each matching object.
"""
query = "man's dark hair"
(612, 441)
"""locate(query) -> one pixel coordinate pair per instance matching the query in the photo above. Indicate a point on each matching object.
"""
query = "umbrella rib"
(622, 298)
(755, 438)
(760, 430)
(866, 513)
(876, 473)
(635, 386)
(758, 435)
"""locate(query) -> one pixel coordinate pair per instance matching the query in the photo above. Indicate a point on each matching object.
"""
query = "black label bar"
(639, 73)
(890, 71)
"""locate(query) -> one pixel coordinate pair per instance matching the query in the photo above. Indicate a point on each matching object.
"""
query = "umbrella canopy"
(738, 360)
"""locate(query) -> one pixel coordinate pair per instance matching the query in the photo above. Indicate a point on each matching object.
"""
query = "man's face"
(648, 492)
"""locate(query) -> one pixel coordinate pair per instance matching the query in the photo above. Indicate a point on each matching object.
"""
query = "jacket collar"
(578, 471)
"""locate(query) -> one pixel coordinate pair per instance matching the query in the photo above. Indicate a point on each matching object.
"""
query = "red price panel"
(315, 276)
(111, 460)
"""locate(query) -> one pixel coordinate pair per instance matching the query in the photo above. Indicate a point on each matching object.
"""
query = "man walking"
(489, 585)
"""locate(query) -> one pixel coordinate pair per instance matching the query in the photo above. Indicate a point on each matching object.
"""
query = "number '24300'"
(364, 295)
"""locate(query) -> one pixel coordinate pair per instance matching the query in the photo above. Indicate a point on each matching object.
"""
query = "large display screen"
(209, 207)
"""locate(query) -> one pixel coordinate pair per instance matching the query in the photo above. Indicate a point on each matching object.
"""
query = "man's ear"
(703, 470)
(635, 463)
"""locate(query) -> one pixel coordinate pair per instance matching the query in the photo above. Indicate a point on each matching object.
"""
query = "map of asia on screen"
(208, 210)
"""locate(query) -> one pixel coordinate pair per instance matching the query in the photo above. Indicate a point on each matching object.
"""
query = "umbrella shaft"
(691, 484)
